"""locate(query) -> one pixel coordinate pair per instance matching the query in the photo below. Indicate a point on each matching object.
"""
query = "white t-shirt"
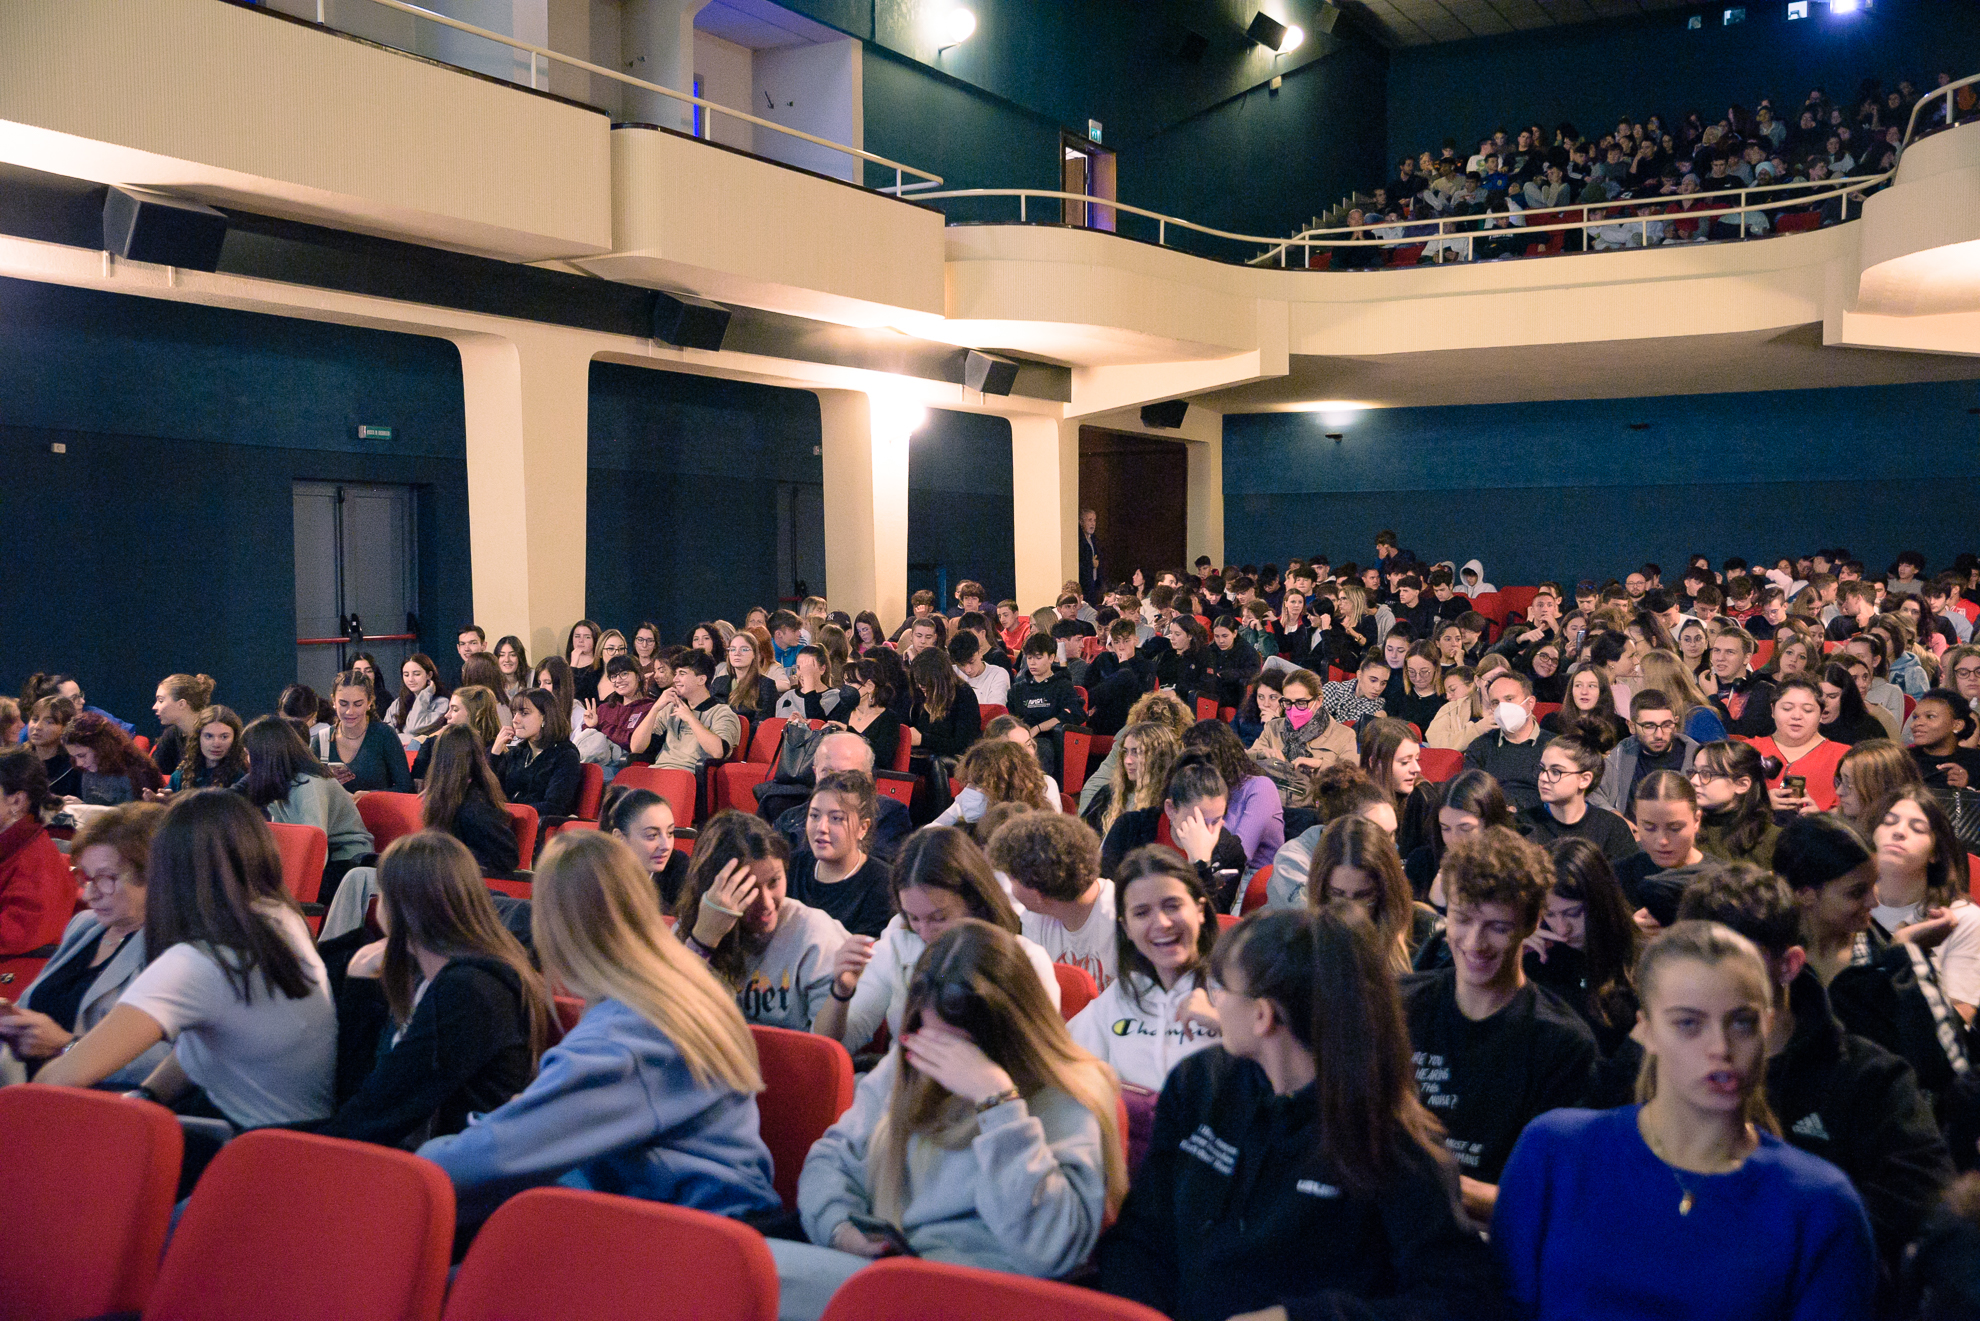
(1958, 957)
(992, 687)
(882, 992)
(1091, 948)
(271, 1060)
(1142, 1042)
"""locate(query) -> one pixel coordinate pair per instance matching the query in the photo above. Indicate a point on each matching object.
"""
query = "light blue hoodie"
(614, 1109)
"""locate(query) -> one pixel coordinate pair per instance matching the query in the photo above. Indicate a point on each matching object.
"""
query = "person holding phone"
(1806, 780)
(985, 1138)
(359, 752)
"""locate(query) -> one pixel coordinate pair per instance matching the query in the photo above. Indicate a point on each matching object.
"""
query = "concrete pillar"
(656, 43)
(1204, 530)
(528, 401)
(1045, 506)
(865, 450)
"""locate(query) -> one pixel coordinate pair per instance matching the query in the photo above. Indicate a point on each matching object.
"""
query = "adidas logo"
(1810, 1126)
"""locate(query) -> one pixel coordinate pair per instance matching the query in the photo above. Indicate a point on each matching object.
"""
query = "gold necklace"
(1688, 1196)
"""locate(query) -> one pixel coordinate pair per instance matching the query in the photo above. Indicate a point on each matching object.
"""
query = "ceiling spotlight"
(1294, 36)
(955, 27)
(1267, 31)
(1844, 6)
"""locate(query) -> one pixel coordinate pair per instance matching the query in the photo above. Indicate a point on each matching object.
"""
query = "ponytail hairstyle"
(1476, 793)
(483, 714)
(195, 690)
(728, 836)
(1752, 812)
(1327, 975)
(1712, 945)
(1666, 787)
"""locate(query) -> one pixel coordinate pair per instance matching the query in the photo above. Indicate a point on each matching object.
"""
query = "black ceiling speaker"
(1169, 413)
(1194, 45)
(1267, 31)
(1325, 17)
(150, 227)
(986, 373)
(689, 323)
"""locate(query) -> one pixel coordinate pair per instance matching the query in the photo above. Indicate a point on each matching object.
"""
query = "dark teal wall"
(1594, 73)
(162, 540)
(1567, 490)
(962, 133)
(682, 494)
(959, 504)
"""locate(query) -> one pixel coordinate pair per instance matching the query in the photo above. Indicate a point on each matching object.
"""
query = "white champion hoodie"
(1142, 1042)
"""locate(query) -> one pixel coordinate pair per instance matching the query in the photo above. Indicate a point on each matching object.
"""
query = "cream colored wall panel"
(220, 102)
(1921, 238)
(694, 218)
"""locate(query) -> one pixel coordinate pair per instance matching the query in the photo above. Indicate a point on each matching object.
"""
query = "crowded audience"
(1334, 940)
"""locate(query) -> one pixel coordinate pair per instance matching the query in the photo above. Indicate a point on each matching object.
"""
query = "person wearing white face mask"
(1511, 753)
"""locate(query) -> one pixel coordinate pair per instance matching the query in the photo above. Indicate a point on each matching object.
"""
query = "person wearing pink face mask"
(1304, 735)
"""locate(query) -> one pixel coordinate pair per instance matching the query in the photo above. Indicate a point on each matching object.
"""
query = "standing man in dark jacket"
(1089, 556)
(1837, 1095)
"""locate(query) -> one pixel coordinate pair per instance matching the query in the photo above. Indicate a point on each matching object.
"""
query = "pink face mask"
(1298, 718)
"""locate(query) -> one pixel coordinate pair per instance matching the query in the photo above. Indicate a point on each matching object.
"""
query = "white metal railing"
(1456, 231)
(545, 55)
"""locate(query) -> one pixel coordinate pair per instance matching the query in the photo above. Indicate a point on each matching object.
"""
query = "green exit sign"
(374, 433)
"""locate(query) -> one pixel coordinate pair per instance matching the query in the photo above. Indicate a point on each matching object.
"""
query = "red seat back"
(903, 752)
(1762, 652)
(87, 1183)
(1255, 892)
(1206, 708)
(763, 743)
(1492, 605)
(736, 781)
(561, 1254)
(1440, 764)
(388, 816)
(514, 889)
(304, 850)
(1798, 222)
(1541, 710)
(1518, 600)
(591, 791)
(569, 1010)
(676, 786)
(1225, 921)
(911, 1289)
(896, 785)
(141, 743)
(522, 820)
(807, 1085)
(1072, 765)
(309, 1228)
(989, 711)
(1077, 989)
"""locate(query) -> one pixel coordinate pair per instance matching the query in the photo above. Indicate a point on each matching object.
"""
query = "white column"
(528, 401)
(1044, 506)
(656, 43)
(1204, 530)
(865, 450)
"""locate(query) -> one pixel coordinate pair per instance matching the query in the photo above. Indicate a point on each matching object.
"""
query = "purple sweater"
(1257, 817)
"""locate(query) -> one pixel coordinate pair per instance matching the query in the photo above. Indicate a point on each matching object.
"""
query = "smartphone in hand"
(882, 1229)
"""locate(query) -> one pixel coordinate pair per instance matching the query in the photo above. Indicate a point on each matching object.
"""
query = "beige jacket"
(1453, 728)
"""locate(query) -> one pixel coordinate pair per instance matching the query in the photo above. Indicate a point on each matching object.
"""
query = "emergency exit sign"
(374, 433)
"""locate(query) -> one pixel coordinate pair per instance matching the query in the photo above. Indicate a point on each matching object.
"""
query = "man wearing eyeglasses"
(1655, 745)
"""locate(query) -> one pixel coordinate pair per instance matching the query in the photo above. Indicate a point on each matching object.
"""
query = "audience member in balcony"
(233, 980)
(360, 752)
(645, 821)
(101, 950)
(774, 953)
(1358, 258)
(984, 1138)
(179, 700)
(112, 769)
(652, 1094)
(1291, 987)
(421, 707)
(534, 757)
(443, 1019)
(213, 757)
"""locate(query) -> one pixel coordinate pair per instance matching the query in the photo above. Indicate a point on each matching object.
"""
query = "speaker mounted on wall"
(1169, 413)
(689, 323)
(147, 226)
(986, 373)
(1325, 17)
(1267, 31)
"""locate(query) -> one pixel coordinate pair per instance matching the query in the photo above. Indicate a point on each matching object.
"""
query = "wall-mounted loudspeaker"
(1325, 17)
(144, 226)
(986, 373)
(1267, 31)
(689, 323)
(1169, 413)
